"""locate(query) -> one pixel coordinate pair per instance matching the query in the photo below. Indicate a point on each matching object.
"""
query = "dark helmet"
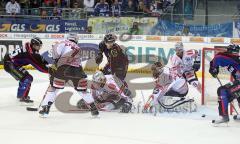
(36, 41)
(233, 48)
(109, 38)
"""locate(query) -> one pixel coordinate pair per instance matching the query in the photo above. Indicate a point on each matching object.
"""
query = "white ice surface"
(20, 126)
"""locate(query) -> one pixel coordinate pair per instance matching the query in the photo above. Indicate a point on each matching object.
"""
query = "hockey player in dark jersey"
(15, 60)
(117, 59)
(230, 91)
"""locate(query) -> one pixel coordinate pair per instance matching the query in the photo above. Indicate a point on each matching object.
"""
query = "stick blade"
(31, 109)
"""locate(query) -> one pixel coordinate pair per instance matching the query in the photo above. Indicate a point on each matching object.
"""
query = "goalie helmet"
(99, 77)
(73, 37)
(157, 69)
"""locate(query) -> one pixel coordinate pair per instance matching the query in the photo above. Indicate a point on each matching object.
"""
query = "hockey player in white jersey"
(185, 63)
(167, 84)
(109, 93)
(67, 68)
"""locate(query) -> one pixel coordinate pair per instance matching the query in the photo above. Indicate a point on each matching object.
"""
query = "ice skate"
(222, 120)
(26, 101)
(94, 110)
(236, 117)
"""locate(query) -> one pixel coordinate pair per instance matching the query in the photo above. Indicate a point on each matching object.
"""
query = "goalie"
(167, 85)
(110, 93)
(230, 91)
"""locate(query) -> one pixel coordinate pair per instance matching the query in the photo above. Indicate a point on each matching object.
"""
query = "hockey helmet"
(157, 69)
(178, 46)
(36, 41)
(109, 38)
(73, 37)
(233, 48)
(99, 77)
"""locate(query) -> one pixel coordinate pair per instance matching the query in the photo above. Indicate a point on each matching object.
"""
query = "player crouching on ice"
(166, 85)
(109, 93)
(230, 91)
(22, 56)
(67, 68)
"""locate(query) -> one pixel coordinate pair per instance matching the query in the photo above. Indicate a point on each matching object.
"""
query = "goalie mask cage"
(210, 84)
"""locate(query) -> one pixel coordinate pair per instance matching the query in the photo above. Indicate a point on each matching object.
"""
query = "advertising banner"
(175, 29)
(120, 25)
(42, 26)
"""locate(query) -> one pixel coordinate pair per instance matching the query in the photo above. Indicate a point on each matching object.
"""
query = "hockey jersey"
(180, 65)
(113, 87)
(26, 55)
(231, 61)
(67, 53)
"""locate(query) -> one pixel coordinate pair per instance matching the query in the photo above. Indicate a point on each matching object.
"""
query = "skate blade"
(225, 124)
(43, 115)
(26, 104)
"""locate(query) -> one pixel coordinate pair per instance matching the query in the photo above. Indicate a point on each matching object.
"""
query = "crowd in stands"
(52, 9)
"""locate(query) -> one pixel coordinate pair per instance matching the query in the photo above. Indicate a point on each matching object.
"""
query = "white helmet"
(73, 37)
(99, 77)
(179, 46)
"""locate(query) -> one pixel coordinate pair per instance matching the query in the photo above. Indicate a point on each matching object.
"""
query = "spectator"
(79, 4)
(76, 11)
(165, 5)
(116, 8)
(101, 8)
(34, 5)
(44, 14)
(88, 5)
(155, 9)
(56, 14)
(48, 3)
(135, 30)
(142, 8)
(12, 8)
(89, 30)
(130, 7)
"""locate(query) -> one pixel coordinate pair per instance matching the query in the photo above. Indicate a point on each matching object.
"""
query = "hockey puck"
(203, 115)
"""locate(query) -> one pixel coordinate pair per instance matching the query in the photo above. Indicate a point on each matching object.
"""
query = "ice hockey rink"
(20, 126)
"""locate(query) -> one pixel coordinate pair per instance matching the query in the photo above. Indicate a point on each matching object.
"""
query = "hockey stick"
(230, 102)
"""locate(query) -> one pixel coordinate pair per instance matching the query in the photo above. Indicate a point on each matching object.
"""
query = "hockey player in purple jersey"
(230, 91)
(22, 56)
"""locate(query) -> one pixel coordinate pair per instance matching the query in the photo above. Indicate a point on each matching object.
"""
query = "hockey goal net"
(210, 84)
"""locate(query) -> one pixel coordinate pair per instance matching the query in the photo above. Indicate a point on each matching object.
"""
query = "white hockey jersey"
(113, 87)
(178, 66)
(67, 53)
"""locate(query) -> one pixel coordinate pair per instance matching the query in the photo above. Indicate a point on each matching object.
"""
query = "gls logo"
(53, 28)
(45, 28)
(12, 27)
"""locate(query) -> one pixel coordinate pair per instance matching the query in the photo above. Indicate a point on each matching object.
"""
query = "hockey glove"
(126, 107)
(99, 58)
(52, 68)
(213, 71)
(196, 65)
